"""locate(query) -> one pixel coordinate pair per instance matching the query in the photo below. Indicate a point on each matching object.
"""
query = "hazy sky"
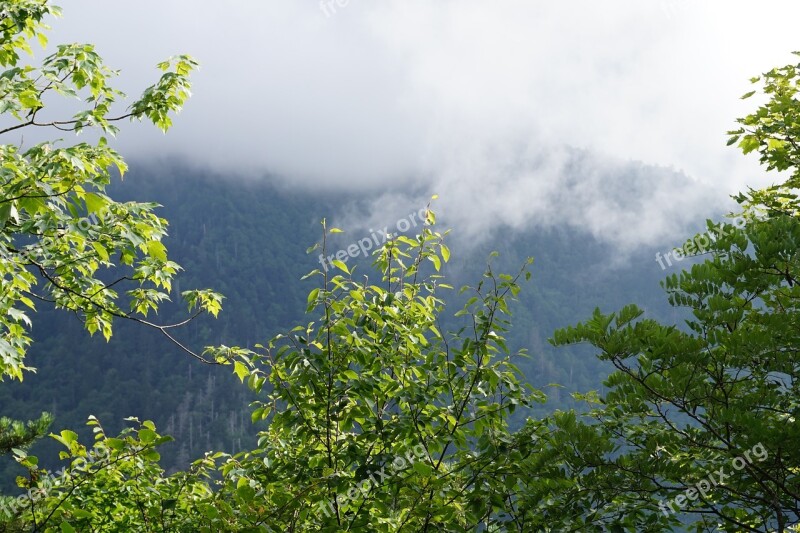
(472, 99)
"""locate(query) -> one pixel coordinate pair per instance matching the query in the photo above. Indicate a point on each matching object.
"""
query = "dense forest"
(188, 351)
(257, 267)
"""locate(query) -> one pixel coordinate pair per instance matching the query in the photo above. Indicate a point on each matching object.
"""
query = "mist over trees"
(387, 397)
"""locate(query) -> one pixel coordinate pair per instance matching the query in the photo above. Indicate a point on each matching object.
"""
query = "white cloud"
(453, 95)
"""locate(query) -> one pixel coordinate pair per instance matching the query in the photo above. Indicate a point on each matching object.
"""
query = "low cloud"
(515, 112)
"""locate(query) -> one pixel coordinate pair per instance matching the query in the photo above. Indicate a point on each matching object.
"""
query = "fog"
(484, 103)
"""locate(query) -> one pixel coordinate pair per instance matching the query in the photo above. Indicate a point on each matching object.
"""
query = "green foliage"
(16, 434)
(21, 20)
(114, 485)
(773, 131)
(58, 229)
(377, 420)
(60, 234)
(700, 421)
(682, 406)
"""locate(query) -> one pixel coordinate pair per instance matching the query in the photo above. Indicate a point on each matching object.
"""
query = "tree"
(15, 434)
(377, 420)
(63, 241)
(699, 422)
(58, 229)
(115, 484)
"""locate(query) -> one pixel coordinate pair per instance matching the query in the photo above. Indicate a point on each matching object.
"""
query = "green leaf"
(94, 202)
(151, 455)
(341, 266)
(5, 213)
(115, 444)
(157, 250)
(240, 370)
(147, 436)
(422, 468)
(246, 492)
(775, 144)
(67, 437)
(312, 297)
(29, 100)
(101, 250)
(748, 144)
(445, 253)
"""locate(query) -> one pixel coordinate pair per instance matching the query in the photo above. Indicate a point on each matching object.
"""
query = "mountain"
(248, 240)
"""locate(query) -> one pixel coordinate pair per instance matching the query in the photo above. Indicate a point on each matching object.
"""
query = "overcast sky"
(475, 100)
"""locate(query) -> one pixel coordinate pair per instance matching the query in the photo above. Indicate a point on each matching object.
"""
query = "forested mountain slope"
(248, 241)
